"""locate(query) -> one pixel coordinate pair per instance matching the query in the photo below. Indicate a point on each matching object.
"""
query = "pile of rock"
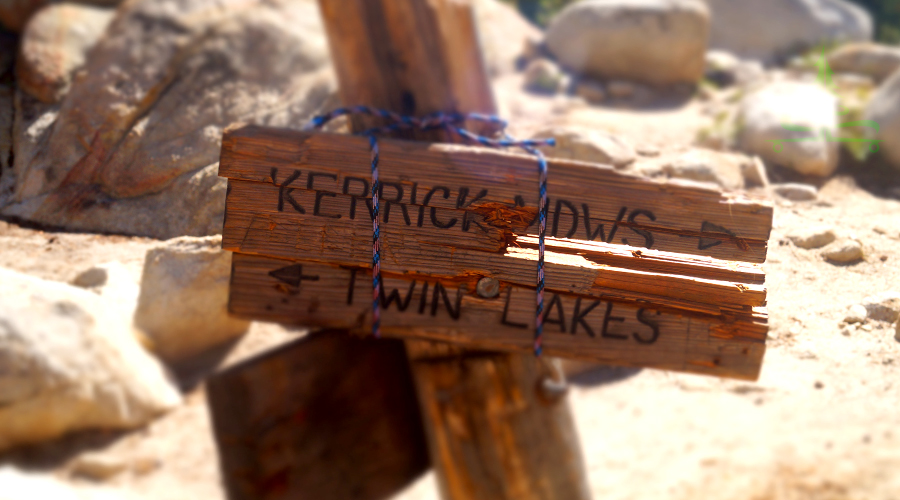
(84, 355)
(879, 308)
(631, 50)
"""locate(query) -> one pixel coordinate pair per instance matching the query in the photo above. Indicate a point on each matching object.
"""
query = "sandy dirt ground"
(822, 422)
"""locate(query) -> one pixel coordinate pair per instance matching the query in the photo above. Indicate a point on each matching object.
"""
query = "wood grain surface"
(328, 416)
(603, 329)
(587, 201)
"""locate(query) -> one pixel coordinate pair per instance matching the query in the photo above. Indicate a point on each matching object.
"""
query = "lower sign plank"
(328, 416)
(575, 327)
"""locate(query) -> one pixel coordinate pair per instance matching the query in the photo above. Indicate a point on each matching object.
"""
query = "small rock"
(98, 466)
(819, 385)
(707, 166)
(874, 60)
(884, 306)
(897, 331)
(543, 75)
(846, 331)
(720, 66)
(725, 69)
(91, 278)
(55, 44)
(856, 314)
(647, 150)
(812, 237)
(791, 124)
(795, 191)
(593, 146)
(591, 91)
(183, 303)
(749, 72)
(866, 327)
(844, 252)
(754, 173)
(620, 89)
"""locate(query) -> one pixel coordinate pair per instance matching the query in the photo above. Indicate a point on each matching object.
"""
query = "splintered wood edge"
(446, 163)
(596, 330)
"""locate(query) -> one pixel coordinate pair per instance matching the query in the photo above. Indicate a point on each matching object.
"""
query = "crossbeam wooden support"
(417, 57)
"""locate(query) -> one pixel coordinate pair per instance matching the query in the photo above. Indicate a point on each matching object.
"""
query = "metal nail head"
(488, 288)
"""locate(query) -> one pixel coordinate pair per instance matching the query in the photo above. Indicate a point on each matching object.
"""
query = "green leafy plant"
(858, 138)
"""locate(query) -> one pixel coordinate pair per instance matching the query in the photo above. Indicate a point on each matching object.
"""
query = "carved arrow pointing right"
(709, 227)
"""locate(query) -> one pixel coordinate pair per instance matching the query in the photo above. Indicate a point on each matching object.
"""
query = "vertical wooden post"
(496, 427)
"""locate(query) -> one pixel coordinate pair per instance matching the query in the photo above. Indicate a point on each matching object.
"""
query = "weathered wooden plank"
(597, 270)
(491, 182)
(505, 389)
(407, 56)
(328, 416)
(254, 225)
(597, 330)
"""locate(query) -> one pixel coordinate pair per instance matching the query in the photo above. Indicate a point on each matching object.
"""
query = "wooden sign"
(638, 272)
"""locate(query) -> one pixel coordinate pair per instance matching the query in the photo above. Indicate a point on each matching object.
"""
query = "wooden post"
(495, 430)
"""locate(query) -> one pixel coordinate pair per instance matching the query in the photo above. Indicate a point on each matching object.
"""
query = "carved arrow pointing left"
(292, 275)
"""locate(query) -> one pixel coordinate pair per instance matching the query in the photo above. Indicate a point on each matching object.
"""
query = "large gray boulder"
(657, 42)
(792, 124)
(134, 144)
(874, 60)
(70, 361)
(770, 30)
(183, 302)
(884, 109)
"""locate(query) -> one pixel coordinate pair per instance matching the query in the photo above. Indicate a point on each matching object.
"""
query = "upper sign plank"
(587, 202)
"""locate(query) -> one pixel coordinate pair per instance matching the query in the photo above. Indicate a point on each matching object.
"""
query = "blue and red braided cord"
(452, 122)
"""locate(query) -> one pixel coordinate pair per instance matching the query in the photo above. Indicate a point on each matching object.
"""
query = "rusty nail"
(488, 288)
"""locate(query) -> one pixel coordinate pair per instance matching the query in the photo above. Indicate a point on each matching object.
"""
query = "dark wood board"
(330, 416)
